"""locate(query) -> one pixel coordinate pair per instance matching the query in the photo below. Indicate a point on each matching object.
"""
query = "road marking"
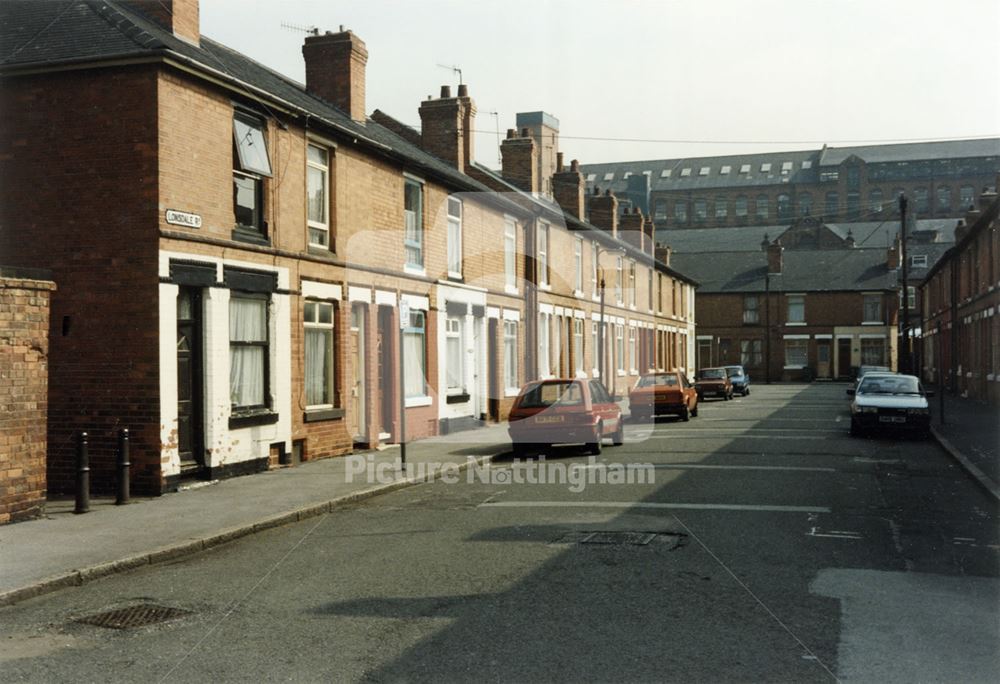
(833, 534)
(647, 504)
(685, 466)
(740, 435)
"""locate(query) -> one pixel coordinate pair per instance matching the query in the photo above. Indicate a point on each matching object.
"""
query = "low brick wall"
(24, 349)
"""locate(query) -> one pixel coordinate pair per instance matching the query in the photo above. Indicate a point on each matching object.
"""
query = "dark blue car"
(740, 379)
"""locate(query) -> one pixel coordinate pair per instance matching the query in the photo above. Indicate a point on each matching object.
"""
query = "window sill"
(455, 277)
(252, 419)
(621, 374)
(578, 294)
(415, 402)
(511, 391)
(510, 289)
(795, 324)
(794, 367)
(544, 287)
(250, 235)
(410, 269)
(872, 323)
(461, 398)
(317, 415)
(320, 251)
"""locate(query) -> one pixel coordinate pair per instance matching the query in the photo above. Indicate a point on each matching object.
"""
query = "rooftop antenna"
(496, 119)
(312, 30)
(455, 69)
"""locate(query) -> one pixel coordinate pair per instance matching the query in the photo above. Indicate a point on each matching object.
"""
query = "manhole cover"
(614, 538)
(133, 616)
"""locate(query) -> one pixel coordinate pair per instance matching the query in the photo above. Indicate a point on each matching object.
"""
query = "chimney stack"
(543, 128)
(663, 253)
(630, 227)
(849, 240)
(446, 127)
(961, 230)
(335, 70)
(520, 161)
(180, 17)
(604, 212)
(765, 243)
(569, 188)
(774, 258)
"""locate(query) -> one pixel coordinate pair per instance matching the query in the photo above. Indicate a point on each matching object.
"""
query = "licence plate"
(549, 419)
(891, 419)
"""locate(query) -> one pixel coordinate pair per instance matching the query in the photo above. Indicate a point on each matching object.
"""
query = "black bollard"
(82, 475)
(123, 467)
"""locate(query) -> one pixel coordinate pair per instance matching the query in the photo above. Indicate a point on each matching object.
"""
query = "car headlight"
(918, 411)
(869, 409)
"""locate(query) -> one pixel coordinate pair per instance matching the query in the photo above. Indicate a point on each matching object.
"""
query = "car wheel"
(746, 392)
(519, 450)
(725, 396)
(685, 414)
(594, 448)
(855, 429)
(694, 411)
(618, 438)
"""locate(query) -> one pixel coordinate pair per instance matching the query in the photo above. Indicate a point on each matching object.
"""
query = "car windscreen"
(711, 374)
(889, 384)
(549, 393)
(657, 381)
(734, 372)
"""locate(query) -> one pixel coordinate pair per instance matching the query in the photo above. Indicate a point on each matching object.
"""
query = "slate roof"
(824, 270)
(50, 32)
(749, 238)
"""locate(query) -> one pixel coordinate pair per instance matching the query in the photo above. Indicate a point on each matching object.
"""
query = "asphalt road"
(770, 546)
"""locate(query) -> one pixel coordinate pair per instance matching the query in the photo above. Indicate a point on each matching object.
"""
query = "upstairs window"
(413, 213)
(796, 309)
(784, 206)
(454, 237)
(578, 264)
(251, 165)
(832, 204)
(700, 210)
(619, 281)
(873, 308)
(966, 197)
(921, 200)
(660, 210)
(805, 204)
(665, 173)
(741, 206)
(681, 211)
(765, 167)
(944, 198)
(631, 283)
(721, 207)
(751, 314)
(510, 254)
(918, 260)
(543, 254)
(685, 173)
(703, 171)
(724, 171)
(875, 200)
(317, 194)
(762, 209)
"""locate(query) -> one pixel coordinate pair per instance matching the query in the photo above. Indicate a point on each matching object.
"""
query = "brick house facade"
(235, 252)
(961, 309)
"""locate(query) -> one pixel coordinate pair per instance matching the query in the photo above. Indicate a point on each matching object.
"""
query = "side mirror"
(850, 393)
(929, 393)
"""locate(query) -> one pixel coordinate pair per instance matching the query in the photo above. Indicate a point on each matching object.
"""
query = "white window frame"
(620, 280)
(422, 398)
(594, 265)
(620, 348)
(542, 254)
(578, 263)
(413, 229)
(312, 225)
(544, 346)
(631, 283)
(453, 330)
(510, 333)
(454, 237)
(595, 328)
(510, 255)
(754, 310)
(877, 298)
(796, 344)
(578, 341)
(789, 300)
(632, 351)
(318, 324)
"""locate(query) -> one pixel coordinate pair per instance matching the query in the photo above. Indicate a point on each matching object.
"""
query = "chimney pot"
(511, 134)
(525, 133)
(559, 162)
(463, 90)
(445, 92)
(574, 166)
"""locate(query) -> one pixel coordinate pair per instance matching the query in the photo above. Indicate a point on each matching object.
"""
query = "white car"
(884, 402)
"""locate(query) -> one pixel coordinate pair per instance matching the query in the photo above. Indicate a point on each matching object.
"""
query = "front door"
(190, 381)
(477, 373)
(843, 357)
(493, 370)
(357, 420)
(386, 368)
(822, 359)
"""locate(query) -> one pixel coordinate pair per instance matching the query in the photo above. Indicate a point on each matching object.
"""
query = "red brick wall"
(93, 225)
(24, 347)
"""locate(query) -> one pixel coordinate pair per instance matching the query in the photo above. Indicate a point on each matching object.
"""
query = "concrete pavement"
(62, 549)
(970, 433)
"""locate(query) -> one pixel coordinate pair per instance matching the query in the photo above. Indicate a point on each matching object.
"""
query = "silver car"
(889, 403)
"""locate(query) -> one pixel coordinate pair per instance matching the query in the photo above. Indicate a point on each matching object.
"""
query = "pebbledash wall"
(24, 347)
(189, 312)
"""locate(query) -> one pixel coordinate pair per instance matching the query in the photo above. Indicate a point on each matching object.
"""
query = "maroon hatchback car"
(564, 411)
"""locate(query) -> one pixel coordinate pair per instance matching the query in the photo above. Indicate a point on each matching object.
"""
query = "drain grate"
(613, 538)
(139, 615)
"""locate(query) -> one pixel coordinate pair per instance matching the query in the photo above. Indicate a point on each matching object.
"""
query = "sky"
(686, 78)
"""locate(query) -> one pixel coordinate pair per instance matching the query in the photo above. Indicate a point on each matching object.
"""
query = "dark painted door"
(386, 367)
(493, 369)
(190, 381)
(843, 357)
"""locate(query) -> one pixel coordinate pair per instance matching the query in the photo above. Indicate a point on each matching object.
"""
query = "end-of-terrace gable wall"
(78, 158)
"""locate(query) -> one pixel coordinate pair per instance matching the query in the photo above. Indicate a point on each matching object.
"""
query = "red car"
(564, 411)
(714, 382)
(659, 393)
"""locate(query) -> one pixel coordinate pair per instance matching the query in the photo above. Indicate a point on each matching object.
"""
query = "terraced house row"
(241, 261)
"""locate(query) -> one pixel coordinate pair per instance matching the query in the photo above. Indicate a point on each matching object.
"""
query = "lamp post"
(600, 332)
